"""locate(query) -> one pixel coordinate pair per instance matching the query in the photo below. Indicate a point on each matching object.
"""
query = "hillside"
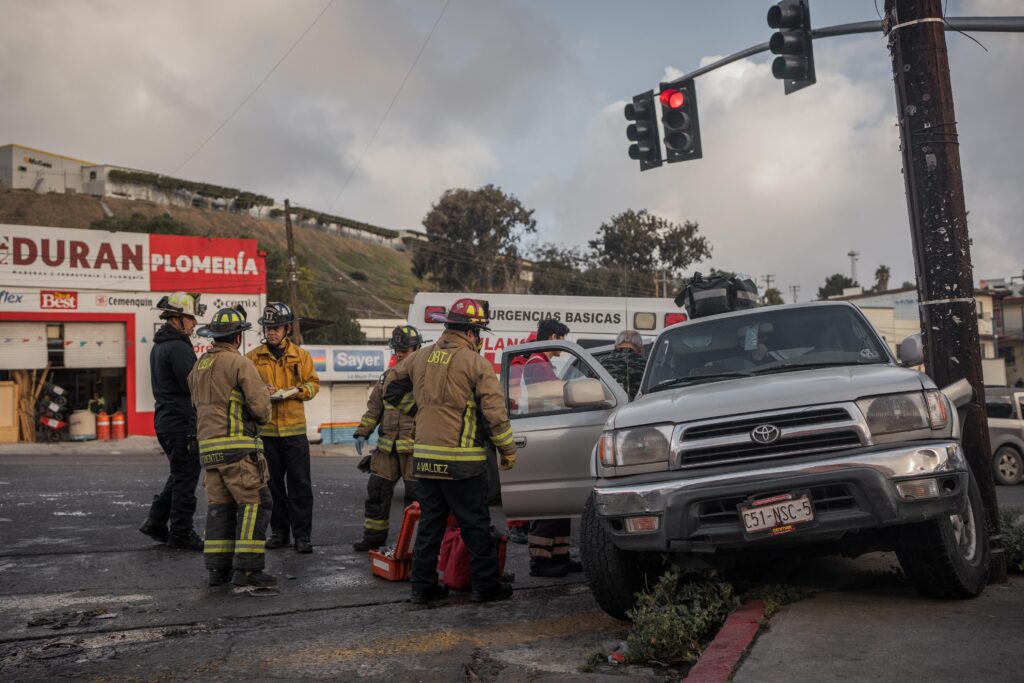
(333, 261)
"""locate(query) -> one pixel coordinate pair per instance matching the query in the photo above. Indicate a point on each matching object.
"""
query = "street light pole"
(938, 226)
(293, 273)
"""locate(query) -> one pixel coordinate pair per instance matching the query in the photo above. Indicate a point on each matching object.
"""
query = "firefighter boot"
(502, 591)
(303, 545)
(364, 545)
(155, 530)
(430, 594)
(218, 577)
(257, 578)
(278, 539)
(189, 541)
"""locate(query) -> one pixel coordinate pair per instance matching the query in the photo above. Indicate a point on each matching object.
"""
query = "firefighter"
(174, 420)
(231, 401)
(459, 408)
(548, 538)
(392, 459)
(284, 365)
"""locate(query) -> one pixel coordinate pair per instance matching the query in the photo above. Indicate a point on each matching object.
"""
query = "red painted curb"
(723, 654)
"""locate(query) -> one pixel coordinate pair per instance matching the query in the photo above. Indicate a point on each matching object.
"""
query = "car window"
(537, 382)
(999, 407)
(1020, 406)
(772, 340)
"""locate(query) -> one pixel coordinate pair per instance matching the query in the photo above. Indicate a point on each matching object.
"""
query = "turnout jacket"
(396, 428)
(231, 400)
(293, 369)
(170, 361)
(458, 405)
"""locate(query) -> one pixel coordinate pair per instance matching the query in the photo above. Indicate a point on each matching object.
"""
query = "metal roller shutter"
(94, 345)
(348, 400)
(22, 346)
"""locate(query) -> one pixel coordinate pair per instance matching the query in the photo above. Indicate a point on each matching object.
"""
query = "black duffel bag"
(711, 296)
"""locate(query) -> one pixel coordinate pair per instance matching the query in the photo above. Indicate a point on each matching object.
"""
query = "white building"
(27, 168)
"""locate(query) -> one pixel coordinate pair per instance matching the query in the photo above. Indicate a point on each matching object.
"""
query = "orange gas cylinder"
(102, 426)
(117, 430)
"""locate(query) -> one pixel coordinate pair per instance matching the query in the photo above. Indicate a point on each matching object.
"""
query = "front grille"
(810, 443)
(825, 499)
(782, 421)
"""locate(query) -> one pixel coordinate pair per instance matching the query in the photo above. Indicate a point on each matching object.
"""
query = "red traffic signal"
(671, 98)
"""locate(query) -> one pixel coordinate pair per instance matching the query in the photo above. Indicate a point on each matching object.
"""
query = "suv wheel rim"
(964, 532)
(1008, 465)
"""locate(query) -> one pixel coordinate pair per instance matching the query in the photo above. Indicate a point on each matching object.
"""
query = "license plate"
(776, 515)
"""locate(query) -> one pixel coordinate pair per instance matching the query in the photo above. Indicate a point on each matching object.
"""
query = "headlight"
(895, 412)
(642, 445)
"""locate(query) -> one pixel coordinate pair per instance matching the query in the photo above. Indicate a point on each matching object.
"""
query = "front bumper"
(850, 492)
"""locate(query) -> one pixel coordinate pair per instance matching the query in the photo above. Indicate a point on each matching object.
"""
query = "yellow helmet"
(180, 304)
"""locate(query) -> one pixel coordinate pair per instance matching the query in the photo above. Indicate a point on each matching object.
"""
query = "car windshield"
(772, 340)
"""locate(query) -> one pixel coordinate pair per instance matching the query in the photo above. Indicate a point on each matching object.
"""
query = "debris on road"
(71, 619)
(53, 650)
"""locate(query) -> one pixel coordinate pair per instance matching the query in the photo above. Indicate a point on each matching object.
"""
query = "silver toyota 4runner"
(763, 429)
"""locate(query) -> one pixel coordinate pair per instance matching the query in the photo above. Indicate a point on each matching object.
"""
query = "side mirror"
(912, 351)
(586, 393)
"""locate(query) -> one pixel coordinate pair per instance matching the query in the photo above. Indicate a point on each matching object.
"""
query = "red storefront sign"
(218, 264)
(51, 300)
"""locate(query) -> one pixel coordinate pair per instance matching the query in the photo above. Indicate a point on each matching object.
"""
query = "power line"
(253, 91)
(380, 124)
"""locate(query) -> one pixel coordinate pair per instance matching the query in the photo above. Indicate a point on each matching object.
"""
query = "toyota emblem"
(765, 434)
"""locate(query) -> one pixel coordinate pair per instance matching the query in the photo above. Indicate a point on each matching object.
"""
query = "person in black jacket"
(170, 362)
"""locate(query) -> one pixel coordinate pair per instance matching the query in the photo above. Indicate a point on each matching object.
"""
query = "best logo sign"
(51, 300)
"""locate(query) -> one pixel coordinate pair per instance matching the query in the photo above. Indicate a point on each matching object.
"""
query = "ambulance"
(592, 320)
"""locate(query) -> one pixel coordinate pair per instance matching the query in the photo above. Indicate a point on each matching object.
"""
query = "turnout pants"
(239, 506)
(467, 500)
(290, 484)
(386, 467)
(177, 502)
(549, 541)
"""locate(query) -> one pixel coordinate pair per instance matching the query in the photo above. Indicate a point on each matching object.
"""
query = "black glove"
(364, 464)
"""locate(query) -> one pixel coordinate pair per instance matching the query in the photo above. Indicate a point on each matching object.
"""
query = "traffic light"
(680, 121)
(792, 42)
(643, 131)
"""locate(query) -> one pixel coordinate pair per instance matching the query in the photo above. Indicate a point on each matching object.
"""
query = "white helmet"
(180, 304)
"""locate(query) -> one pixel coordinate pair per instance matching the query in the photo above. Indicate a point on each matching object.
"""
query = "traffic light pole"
(938, 226)
(974, 24)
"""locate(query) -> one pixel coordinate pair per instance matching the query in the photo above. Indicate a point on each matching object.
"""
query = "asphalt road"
(69, 543)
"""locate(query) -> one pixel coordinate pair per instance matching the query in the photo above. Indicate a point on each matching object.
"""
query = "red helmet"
(470, 312)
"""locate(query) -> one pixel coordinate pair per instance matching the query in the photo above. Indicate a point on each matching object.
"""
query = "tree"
(164, 224)
(473, 240)
(835, 284)
(558, 270)
(772, 297)
(907, 284)
(882, 278)
(642, 247)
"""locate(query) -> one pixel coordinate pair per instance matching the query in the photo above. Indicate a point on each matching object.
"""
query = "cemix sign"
(63, 257)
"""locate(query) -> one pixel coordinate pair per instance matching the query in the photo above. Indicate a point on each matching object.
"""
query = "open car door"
(558, 399)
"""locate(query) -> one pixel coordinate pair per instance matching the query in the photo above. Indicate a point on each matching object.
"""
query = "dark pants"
(549, 541)
(290, 484)
(467, 500)
(177, 502)
(379, 493)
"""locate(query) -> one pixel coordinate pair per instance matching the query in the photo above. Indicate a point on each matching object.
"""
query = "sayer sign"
(68, 258)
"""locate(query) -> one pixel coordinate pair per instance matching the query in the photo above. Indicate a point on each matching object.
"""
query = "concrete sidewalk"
(133, 445)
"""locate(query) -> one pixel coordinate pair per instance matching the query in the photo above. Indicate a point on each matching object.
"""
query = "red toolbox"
(395, 564)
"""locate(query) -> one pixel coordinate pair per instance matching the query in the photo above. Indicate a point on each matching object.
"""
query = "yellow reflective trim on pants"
(249, 521)
(375, 524)
(250, 547)
(214, 547)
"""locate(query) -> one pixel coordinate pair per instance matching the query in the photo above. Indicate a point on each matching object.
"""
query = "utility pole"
(854, 256)
(938, 227)
(794, 290)
(293, 273)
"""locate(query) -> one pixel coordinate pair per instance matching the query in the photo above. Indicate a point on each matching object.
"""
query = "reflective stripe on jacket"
(458, 405)
(231, 400)
(293, 369)
(396, 428)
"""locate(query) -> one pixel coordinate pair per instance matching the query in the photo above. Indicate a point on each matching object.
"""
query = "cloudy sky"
(526, 94)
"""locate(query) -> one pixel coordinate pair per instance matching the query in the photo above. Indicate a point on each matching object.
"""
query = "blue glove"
(360, 442)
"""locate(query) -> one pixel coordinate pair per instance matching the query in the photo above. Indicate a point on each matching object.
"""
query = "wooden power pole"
(938, 226)
(293, 273)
